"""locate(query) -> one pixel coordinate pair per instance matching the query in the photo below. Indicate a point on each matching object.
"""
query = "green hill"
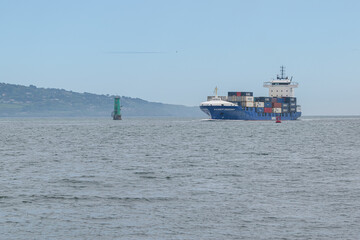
(23, 101)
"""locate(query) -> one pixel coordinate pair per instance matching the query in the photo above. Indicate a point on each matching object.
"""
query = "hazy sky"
(178, 51)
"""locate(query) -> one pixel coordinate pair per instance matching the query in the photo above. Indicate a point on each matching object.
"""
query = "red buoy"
(278, 119)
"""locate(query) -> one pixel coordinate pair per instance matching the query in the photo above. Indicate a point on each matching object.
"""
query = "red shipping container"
(238, 94)
(268, 110)
(276, 105)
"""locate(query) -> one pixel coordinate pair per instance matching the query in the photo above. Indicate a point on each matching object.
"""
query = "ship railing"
(291, 84)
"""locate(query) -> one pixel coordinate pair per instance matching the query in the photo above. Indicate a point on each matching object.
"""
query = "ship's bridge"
(281, 86)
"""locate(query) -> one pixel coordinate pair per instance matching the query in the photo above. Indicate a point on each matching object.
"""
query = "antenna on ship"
(282, 71)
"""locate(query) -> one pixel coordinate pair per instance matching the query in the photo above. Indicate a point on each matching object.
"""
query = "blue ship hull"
(238, 113)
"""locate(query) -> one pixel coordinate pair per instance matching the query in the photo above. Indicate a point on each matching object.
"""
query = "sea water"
(179, 179)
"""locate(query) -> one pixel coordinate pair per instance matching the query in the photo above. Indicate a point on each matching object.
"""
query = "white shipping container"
(247, 104)
(238, 98)
(247, 98)
(276, 110)
(259, 104)
(232, 98)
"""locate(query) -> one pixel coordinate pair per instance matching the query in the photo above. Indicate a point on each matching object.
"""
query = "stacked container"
(240, 94)
(276, 110)
(267, 110)
(247, 104)
(247, 99)
(285, 107)
(276, 105)
(267, 104)
(292, 103)
(244, 99)
(262, 104)
(260, 109)
(259, 104)
(264, 99)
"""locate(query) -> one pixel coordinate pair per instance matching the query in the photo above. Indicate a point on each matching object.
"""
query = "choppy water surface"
(179, 179)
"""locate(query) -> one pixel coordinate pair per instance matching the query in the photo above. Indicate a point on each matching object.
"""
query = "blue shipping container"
(280, 100)
(267, 104)
(264, 99)
(249, 94)
(289, 99)
(285, 105)
(260, 109)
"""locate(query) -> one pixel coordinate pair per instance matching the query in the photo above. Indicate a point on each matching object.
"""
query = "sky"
(177, 52)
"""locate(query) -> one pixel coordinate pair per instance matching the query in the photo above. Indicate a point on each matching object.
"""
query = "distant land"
(31, 101)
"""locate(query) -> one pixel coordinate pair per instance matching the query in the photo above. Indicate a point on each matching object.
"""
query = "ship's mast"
(282, 72)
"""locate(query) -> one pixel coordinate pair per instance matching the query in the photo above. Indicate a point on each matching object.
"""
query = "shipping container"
(264, 99)
(292, 109)
(276, 110)
(247, 104)
(298, 108)
(267, 104)
(276, 105)
(238, 94)
(260, 109)
(285, 105)
(256, 99)
(250, 94)
(285, 110)
(232, 98)
(274, 100)
(231, 94)
(292, 104)
(289, 99)
(280, 100)
(247, 99)
(267, 110)
(259, 104)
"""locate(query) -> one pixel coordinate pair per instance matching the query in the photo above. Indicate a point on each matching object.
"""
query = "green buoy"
(116, 114)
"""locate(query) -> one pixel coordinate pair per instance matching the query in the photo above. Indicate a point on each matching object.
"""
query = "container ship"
(281, 103)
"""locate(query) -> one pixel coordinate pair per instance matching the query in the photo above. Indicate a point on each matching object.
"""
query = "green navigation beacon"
(116, 114)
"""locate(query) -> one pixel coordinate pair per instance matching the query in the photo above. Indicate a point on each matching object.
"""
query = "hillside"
(23, 101)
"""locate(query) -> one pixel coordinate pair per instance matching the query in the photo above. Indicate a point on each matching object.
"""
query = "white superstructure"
(216, 101)
(282, 86)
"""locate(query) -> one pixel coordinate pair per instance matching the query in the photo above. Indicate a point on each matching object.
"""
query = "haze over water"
(179, 179)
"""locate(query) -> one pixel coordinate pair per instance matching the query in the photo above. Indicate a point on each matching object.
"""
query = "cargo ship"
(281, 103)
